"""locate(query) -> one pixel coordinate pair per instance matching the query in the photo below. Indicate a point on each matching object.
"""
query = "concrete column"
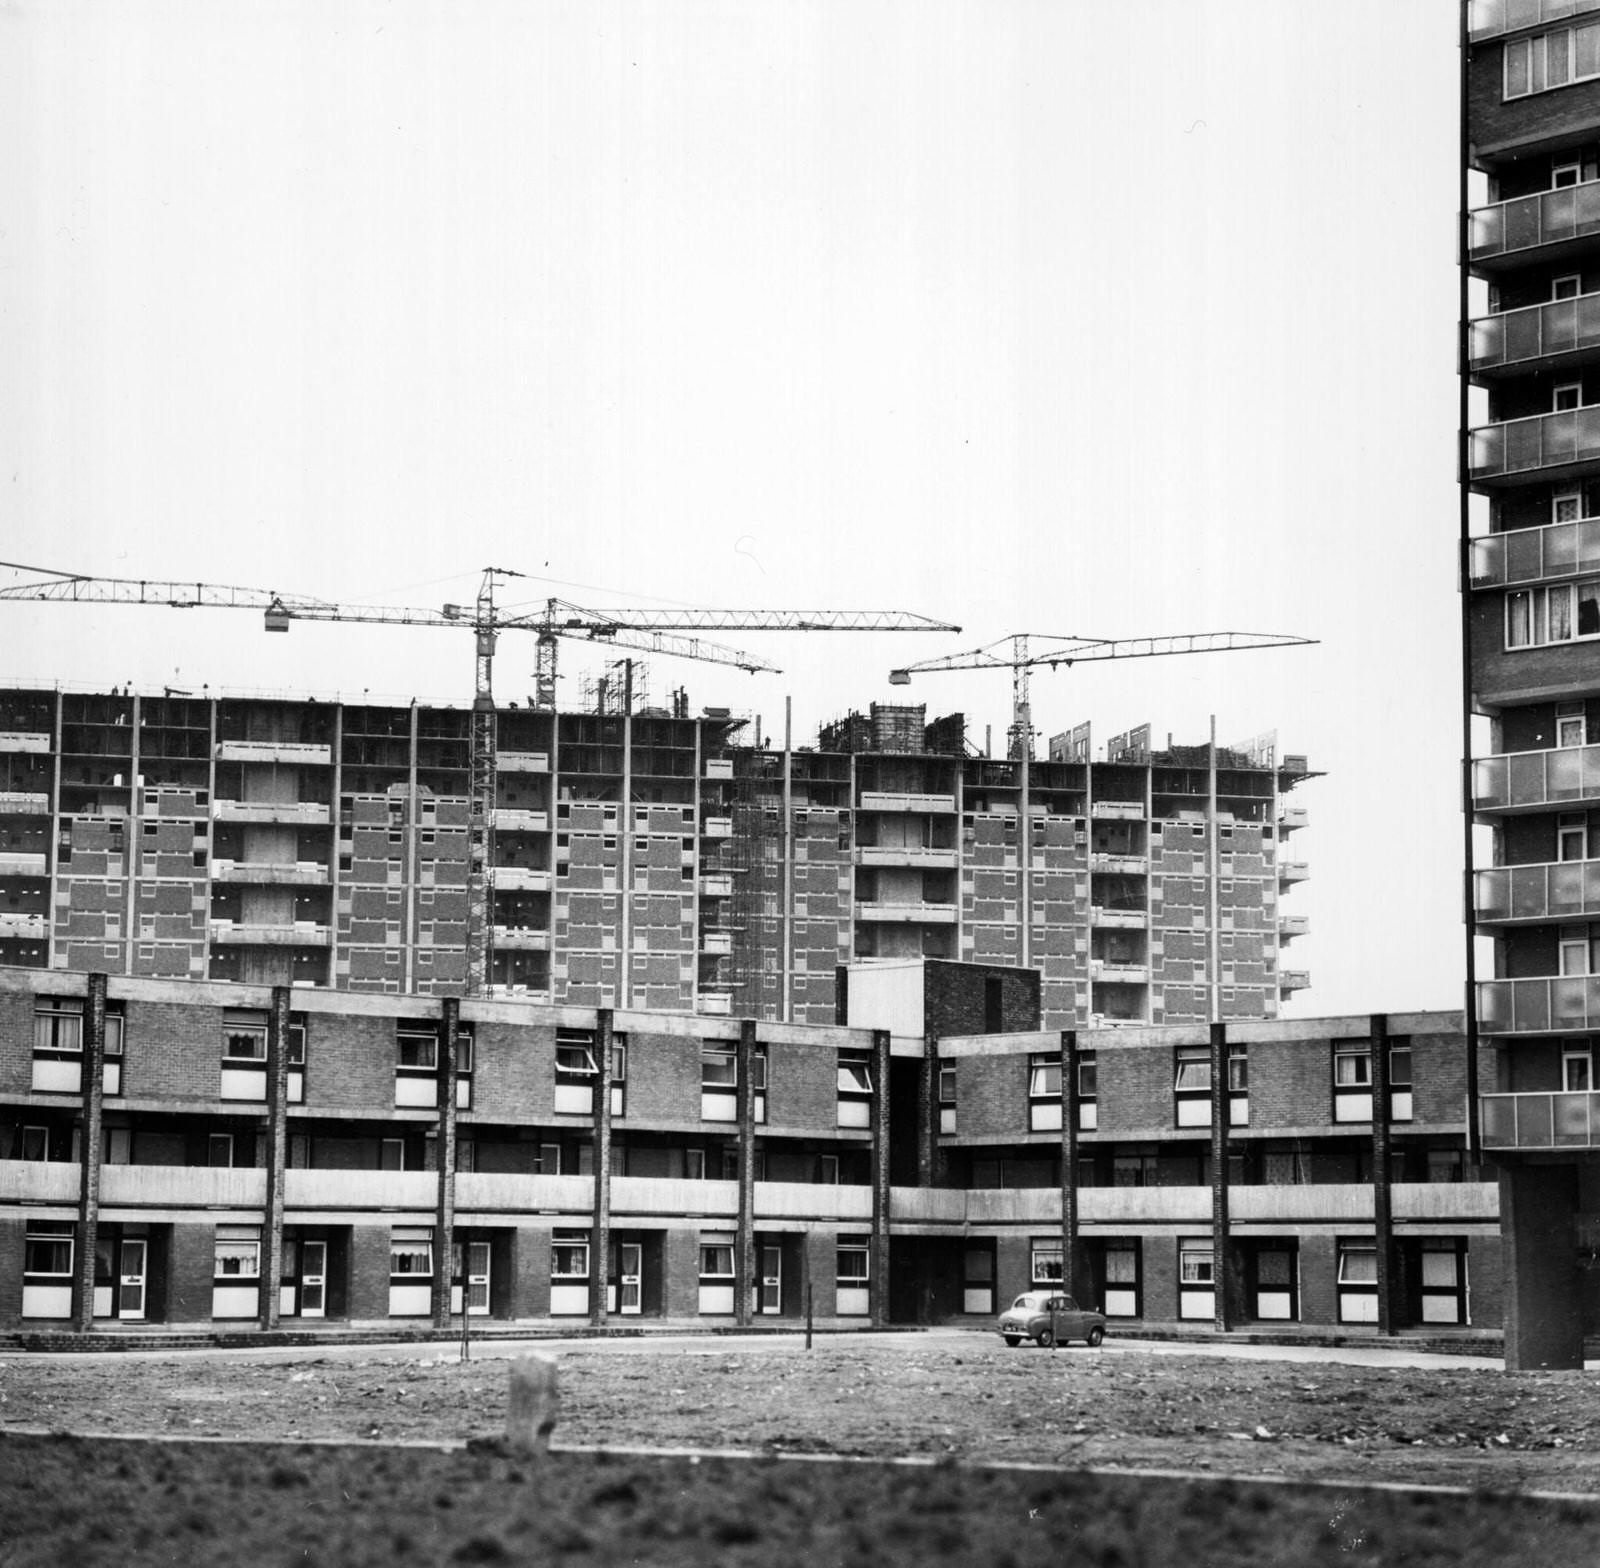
(1543, 1304)
(1382, 1176)
(600, 1219)
(444, 1223)
(1074, 1277)
(878, 1258)
(744, 1264)
(90, 1151)
(277, 1151)
(928, 1108)
(1221, 1269)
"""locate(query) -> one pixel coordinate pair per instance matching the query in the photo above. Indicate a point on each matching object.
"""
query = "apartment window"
(694, 1164)
(1352, 1081)
(852, 1278)
(716, 1273)
(828, 1170)
(947, 1099)
(1569, 286)
(1400, 1103)
(238, 1254)
(1572, 836)
(1047, 1266)
(1122, 1280)
(1536, 65)
(855, 1089)
(576, 1071)
(244, 1042)
(569, 1255)
(111, 1067)
(410, 1255)
(466, 1061)
(1565, 396)
(758, 1083)
(1191, 1086)
(1088, 1091)
(1196, 1277)
(1238, 1086)
(219, 1150)
(719, 1081)
(1577, 1070)
(416, 1066)
(1358, 1281)
(32, 1143)
(47, 1251)
(1563, 612)
(58, 1046)
(1133, 1170)
(619, 1078)
(1044, 1091)
(244, 1056)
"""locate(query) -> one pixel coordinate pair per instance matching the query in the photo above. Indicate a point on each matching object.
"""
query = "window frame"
(414, 1241)
(1200, 1249)
(245, 1242)
(573, 1246)
(1534, 59)
(51, 1233)
(855, 1250)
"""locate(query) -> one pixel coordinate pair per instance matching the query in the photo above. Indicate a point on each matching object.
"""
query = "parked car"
(1043, 1315)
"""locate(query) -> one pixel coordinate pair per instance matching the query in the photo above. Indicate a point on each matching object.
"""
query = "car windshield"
(1030, 1301)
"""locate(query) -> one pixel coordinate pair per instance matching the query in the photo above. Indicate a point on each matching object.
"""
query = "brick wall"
(191, 1266)
(1134, 1087)
(350, 1061)
(664, 1077)
(991, 1094)
(802, 1086)
(369, 1271)
(513, 1073)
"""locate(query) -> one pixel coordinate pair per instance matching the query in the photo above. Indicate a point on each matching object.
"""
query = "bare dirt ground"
(956, 1406)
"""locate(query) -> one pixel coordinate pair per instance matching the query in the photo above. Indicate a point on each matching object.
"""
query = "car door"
(1072, 1319)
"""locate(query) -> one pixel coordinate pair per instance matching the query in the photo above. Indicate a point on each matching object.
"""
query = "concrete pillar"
(600, 1218)
(1074, 1277)
(1383, 1177)
(878, 1257)
(1221, 1271)
(928, 1113)
(277, 1151)
(744, 1263)
(90, 1151)
(1543, 1305)
(444, 1223)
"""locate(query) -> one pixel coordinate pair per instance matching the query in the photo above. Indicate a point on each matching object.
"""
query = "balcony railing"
(1293, 871)
(299, 933)
(17, 863)
(346, 1189)
(1541, 441)
(26, 928)
(23, 740)
(1525, 222)
(1531, 780)
(716, 941)
(1119, 919)
(1292, 817)
(1541, 1121)
(1490, 18)
(522, 761)
(1549, 1004)
(521, 938)
(668, 1195)
(1560, 326)
(24, 803)
(1293, 979)
(519, 1193)
(886, 800)
(507, 820)
(1118, 810)
(1527, 555)
(890, 855)
(284, 751)
(299, 873)
(1292, 926)
(1109, 973)
(519, 879)
(907, 912)
(311, 812)
(1134, 865)
(1565, 888)
(174, 1185)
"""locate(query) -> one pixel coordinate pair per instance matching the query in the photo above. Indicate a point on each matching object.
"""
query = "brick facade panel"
(350, 1062)
(664, 1076)
(802, 1086)
(513, 1072)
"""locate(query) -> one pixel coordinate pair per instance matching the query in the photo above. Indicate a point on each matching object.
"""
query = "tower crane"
(1021, 659)
(647, 630)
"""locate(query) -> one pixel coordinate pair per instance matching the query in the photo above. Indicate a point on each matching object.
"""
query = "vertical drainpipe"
(625, 848)
(1221, 1270)
(1213, 891)
(878, 1259)
(277, 1150)
(445, 1215)
(1071, 1280)
(744, 1273)
(930, 1164)
(410, 848)
(600, 1218)
(786, 843)
(1382, 1174)
(1024, 850)
(89, 1152)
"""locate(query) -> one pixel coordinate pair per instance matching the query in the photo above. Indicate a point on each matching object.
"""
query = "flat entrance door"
(769, 1298)
(469, 1288)
(313, 1279)
(630, 1278)
(130, 1279)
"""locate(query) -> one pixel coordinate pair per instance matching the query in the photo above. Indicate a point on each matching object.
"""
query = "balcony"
(312, 813)
(185, 1186)
(1490, 18)
(898, 913)
(509, 821)
(1507, 895)
(1548, 445)
(296, 752)
(1536, 780)
(1109, 973)
(15, 863)
(719, 767)
(1293, 979)
(904, 855)
(519, 879)
(1547, 1004)
(893, 800)
(715, 1004)
(1562, 220)
(1291, 926)
(1130, 865)
(1119, 919)
(524, 939)
(1526, 555)
(1291, 871)
(39, 1181)
(479, 1192)
(23, 928)
(1564, 331)
(716, 941)
(416, 1191)
(717, 827)
(23, 740)
(522, 761)
(1540, 1121)
(23, 803)
(298, 933)
(1292, 817)
(673, 1196)
(299, 873)
(717, 886)
(1119, 810)
(795, 1200)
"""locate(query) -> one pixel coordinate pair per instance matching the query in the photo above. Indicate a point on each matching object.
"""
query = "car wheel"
(1045, 1338)
(1012, 1340)
(1096, 1334)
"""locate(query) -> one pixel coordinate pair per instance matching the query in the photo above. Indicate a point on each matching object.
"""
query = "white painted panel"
(53, 1075)
(855, 1113)
(1239, 1112)
(234, 1301)
(853, 1301)
(102, 1301)
(1400, 1105)
(1197, 1304)
(1352, 1107)
(718, 1107)
(1440, 1309)
(1273, 1304)
(1194, 1113)
(463, 1094)
(111, 1076)
(1122, 1303)
(297, 1086)
(1088, 1115)
(716, 1300)
(47, 1301)
(569, 1301)
(979, 1299)
(286, 1301)
(1045, 1116)
(947, 1118)
(410, 1301)
(416, 1092)
(243, 1083)
(1354, 1308)
(574, 1099)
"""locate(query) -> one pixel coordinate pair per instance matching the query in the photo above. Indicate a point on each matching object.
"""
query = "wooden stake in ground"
(532, 1407)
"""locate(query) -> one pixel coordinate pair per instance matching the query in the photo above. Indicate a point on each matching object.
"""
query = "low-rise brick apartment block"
(188, 1152)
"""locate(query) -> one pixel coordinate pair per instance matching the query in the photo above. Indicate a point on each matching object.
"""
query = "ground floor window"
(410, 1271)
(236, 1272)
(1358, 1282)
(1442, 1280)
(47, 1258)
(1047, 1266)
(569, 1273)
(716, 1273)
(978, 1279)
(1197, 1277)
(1274, 1283)
(852, 1281)
(1121, 1297)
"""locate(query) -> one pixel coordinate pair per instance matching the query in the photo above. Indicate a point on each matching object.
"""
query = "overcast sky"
(1052, 318)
